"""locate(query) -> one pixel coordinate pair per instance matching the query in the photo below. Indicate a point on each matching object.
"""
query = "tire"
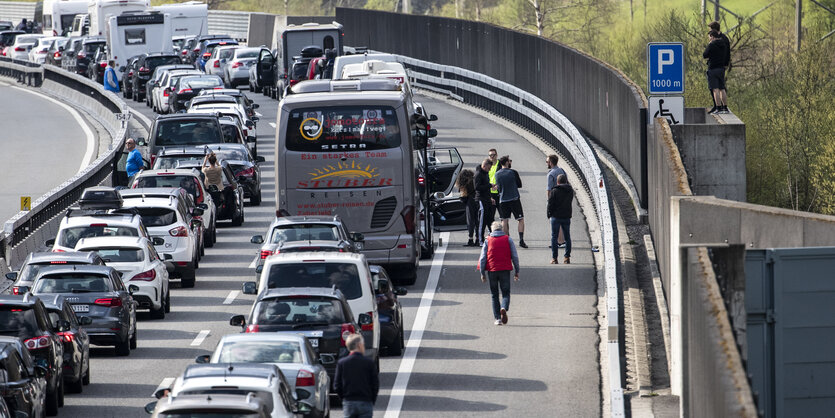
(255, 199)
(51, 406)
(61, 393)
(256, 89)
(86, 379)
(78, 385)
(188, 279)
(407, 276)
(159, 313)
(168, 301)
(238, 220)
(397, 348)
(207, 239)
(123, 348)
(133, 339)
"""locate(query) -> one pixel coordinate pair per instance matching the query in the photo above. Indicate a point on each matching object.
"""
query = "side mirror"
(167, 257)
(433, 118)
(62, 325)
(141, 142)
(49, 242)
(203, 206)
(365, 319)
(255, 118)
(150, 406)
(196, 212)
(400, 291)
(11, 276)
(251, 138)
(257, 239)
(260, 159)
(249, 288)
(122, 69)
(157, 241)
(133, 289)
(237, 321)
(438, 195)
(433, 133)
(85, 320)
(357, 236)
(40, 371)
(255, 105)
(202, 359)
(383, 286)
(259, 269)
(326, 359)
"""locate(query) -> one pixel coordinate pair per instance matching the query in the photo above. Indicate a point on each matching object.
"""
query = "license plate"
(314, 342)
(81, 308)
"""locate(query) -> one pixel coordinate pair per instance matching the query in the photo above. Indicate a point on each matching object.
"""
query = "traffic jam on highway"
(353, 179)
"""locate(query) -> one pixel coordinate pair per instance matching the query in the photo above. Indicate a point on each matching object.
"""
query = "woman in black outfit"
(467, 189)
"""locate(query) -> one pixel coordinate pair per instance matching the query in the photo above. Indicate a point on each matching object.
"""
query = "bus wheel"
(407, 275)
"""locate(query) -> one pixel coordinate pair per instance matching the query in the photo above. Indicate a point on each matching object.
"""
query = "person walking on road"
(716, 55)
(465, 185)
(134, 162)
(723, 91)
(111, 82)
(483, 195)
(559, 212)
(498, 258)
(356, 381)
(508, 184)
(553, 172)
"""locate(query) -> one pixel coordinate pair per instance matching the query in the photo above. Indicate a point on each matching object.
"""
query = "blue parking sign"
(665, 67)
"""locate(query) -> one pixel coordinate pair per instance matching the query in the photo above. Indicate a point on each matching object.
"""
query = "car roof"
(53, 301)
(117, 241)
(185, 116)
(84, 268)
(172, 171)
(264, 336)
(107, 218)
(221, 92)
(152, 192)
(161, 54)
(181, 149)
(69, 256)
(298, 219)
(27, 299)
(209, 98)
(314, 256)
(309, 243)
(254, 370)
(281, 292)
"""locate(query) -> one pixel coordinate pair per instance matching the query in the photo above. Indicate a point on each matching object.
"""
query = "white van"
(58, 16)
(100, 10)
(80, 25)
(134, 33)
(187, 19)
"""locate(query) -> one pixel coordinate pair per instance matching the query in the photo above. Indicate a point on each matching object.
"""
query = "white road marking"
(231, 298)
(272, 124)
(164, 384)
(200, 338)
(258, 114)
(254, 262)
(91, 139)
(398, 391)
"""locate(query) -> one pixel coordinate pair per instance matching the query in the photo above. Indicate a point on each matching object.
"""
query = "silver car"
(236, 69)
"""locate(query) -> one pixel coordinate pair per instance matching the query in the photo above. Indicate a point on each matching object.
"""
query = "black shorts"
(512, 207)
(716, 78)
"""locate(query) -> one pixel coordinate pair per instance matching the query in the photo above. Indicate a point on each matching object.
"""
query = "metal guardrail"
(24, 72)
(539, 117)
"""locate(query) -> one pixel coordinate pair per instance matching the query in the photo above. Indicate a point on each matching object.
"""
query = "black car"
(128, 73)
(96, 292)
(86, 53)
(390, 311)
(230, 200)
(76, 341)
(70, 50)
(189, 86)
(145, 67)
(25, 317)
(192, 46)
(180, 130)
(320, 314)
(97, 64)
(24, 387)
(34, 262)
(244, 167)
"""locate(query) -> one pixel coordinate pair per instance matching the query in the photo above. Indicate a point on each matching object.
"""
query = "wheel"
(207, 238)
(133, 339)
(78, 385)
(123, 348)
(255, 199)
(203, 246)
(238, 219)
(86, 379)
(397, 348)
(407, 275)
(61, 392)
(188, 279)
(159, 313)
(168, 301)
(147, 100)
(52, 403)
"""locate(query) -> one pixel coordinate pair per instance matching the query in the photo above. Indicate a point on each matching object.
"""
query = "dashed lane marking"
(231, 298)
(272, 124)
(200, 338)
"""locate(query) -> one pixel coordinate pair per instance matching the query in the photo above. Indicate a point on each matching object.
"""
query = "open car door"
(445, 164)
(265, 70)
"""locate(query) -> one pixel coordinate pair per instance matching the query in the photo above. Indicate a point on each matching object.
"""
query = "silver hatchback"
(236, 70)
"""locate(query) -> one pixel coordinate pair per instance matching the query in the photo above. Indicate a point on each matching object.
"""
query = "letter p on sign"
(665, 57)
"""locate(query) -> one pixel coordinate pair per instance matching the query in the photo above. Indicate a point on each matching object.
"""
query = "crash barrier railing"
(26, 231)
(537, 116)
(24, 72)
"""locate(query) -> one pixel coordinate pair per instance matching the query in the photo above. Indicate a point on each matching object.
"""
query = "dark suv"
(145, 67)
(25, 317)
(36, 261)
(320, 314)
(183, 129)
(86, 53)
(24, 389)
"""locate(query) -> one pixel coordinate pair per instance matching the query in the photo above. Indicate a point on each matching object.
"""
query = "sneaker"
(470, 243)
(561, 245)
(504, 315)
(498, 322)
(566, 260)
(713, 110)
(522, 244)
(724, 110)
(554, 261)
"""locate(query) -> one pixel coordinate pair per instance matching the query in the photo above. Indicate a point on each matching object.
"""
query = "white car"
(163, 88)
(78, 224)
(19, 50)
(216, 64)
(349, 272)
(139, 264)
(168, 214)
(38, 52)
(234, 110)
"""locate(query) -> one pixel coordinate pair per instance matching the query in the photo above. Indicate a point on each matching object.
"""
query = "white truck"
(58, 15)
(134, 33)
(187, 19)
(100, 10)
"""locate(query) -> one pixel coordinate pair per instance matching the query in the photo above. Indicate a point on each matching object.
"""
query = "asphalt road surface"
(543, 363)
(41, 145)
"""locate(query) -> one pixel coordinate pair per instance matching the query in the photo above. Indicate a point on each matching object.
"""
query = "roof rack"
(76, 211)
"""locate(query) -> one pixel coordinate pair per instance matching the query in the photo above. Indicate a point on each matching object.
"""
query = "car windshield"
(225, 53)
(299, 311)
(300, 70)
(354, 127)
(157, 216)
(18, 321)
(250, 53)
(118, 255)
(173, 161)
(188, 132)
(187, 182)
(91, 48)
(70, 236)
(304, 232)
(231, 134)
(71, 283)
(201, 82)
(231, 154)
(153, 62)
(344, 276)
(8, 38)
(30, 271)
(260, 352)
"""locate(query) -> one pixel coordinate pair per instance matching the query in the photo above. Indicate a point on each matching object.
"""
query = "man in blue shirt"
(508, 183)
(134, 163)
(111, 82)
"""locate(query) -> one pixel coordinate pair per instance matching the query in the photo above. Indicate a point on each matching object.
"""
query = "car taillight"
(81, 55)
(264, 254)
(19, 49)
(347, 330)
(57, 54)
(305, 378)
(102, 64)
(144, 70)
(165, 93)
(237, 65)
(43, 51)
(130, 73)
(251, 328)
(408, 215)
(249, 172)
(184, 91)
(206, 55)
(67, 336)
(153, 158)
(108, 302)
(58, 250)
(197, 49)
(179, 231)
(184, 52)
(421, 180)
(293, 82)
(54, 32)
(146, 276)
(36, 343)
(15, 290)
(369, 327)
(217, 64)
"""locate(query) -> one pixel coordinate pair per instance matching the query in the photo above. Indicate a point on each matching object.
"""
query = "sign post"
(25, 203)
(665, 81)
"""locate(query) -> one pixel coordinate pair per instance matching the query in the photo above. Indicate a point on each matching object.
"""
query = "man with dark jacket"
(724, 38)
(483, 195)
(356, 381)
(559, 212)
(716, 56)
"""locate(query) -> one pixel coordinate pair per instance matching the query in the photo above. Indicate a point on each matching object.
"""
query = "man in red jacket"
(498, 258)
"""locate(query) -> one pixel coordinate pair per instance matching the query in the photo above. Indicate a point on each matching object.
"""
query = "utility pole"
(798, 21)
(704, 9)
(716, 10)
(407, 6)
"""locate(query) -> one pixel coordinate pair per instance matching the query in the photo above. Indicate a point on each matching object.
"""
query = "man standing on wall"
(724, 38)
(111, 82)
(716, 55)
(508, 184)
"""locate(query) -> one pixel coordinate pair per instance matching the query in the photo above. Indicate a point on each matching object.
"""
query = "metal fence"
(225, 22)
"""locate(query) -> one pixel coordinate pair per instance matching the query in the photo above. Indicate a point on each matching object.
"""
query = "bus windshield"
(343, 128)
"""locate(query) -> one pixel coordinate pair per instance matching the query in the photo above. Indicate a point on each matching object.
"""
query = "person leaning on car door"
(111, 82)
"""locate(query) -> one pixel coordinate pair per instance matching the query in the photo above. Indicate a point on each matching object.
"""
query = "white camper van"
(99, 10)
(58, 15)
(134, 33)
(187, 19)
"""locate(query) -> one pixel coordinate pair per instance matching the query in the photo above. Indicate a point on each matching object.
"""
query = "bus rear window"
(343, 128)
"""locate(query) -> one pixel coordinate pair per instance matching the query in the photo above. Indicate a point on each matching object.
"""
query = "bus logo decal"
(311, 129)
(344, 170)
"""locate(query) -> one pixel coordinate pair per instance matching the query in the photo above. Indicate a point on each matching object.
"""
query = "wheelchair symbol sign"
(670, 107)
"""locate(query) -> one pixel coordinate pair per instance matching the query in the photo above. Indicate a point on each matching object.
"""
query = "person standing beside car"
(134, 162)
(484, 197)
(356, 381)
(465, 185)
